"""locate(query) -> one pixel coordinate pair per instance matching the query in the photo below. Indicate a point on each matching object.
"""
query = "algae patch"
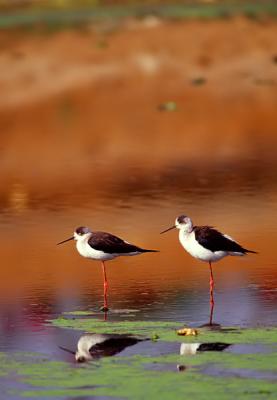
(163, 330)
(152, 371)
(166, 331)
(129, 377)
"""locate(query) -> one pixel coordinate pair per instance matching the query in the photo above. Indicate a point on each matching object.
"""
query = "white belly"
(86, 251)
(197, 251)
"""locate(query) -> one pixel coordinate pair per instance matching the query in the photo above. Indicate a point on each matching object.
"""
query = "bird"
(103, 246)
(92, 346)
(189, 349)
(207, 244)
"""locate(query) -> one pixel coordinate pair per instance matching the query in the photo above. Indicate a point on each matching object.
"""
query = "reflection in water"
(58, 170)
(18, 200)
(93, 346)
(38, 281)
(190, 184)
(188, 349)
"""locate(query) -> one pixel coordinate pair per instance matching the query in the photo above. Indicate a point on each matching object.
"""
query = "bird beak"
(169, 229)
(67, 350)
(66, 240)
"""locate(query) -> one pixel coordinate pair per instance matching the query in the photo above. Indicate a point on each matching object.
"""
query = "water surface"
(40, 280)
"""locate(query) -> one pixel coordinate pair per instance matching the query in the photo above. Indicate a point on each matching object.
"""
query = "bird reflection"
(188, 349)
(92, 346)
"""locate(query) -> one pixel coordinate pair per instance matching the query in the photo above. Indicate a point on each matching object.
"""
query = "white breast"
(191, 245)
(189, 349)
(86, 342)
(86, 251)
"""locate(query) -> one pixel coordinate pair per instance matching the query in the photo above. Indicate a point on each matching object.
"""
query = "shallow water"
(40, 280)
(75, 152)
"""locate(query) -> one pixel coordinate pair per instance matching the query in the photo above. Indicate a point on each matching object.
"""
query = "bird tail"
(149, 251)
(251, 251)
(243, 252)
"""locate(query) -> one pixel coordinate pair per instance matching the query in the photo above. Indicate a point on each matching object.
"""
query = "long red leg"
(211, 313)
(105, 307)
(211, 293)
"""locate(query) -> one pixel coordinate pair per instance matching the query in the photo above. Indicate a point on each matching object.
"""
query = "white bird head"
(183, 223)
(85, 343)
(189, 349)
(80, 233)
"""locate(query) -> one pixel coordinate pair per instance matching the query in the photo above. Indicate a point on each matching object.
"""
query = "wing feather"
(111, 244)
(213, 240)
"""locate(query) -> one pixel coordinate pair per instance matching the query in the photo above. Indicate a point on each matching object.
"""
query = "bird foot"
(104, 308)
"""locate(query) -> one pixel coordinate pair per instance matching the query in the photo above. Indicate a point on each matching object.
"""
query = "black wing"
(111, 244)
(112, 346)
(213, 240)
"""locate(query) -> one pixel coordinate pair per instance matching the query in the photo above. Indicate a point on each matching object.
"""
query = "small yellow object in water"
(187, 332)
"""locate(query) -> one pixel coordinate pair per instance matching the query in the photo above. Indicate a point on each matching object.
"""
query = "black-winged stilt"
(103, 246)
(206, 244)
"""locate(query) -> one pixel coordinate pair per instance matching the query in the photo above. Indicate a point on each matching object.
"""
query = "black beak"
(66, 240)
(67, 350)
(169, 229)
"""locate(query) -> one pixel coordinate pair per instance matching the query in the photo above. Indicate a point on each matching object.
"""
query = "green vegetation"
(216, 375)
(137, 377)
(64, 13)
(167, 330)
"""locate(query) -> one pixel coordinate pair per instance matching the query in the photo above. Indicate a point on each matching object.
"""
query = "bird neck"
(184, 235)
(84, 238)
(186, 230)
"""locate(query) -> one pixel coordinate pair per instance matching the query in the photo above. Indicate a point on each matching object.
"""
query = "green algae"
(78, 15)
(127, 377)
(150, 329)
(218, 375)
(226, 360)
(166, 331)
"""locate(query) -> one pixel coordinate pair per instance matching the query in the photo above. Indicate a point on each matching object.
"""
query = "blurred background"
(121, 115)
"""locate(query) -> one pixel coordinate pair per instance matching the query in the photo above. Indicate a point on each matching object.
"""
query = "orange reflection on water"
(33, 263)
(86, 143)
